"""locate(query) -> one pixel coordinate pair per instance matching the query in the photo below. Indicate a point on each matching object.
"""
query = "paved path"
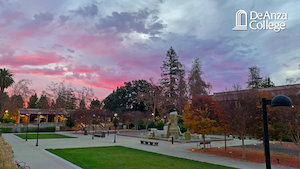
(38, 158)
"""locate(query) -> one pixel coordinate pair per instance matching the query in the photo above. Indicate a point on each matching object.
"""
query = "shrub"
(181, 126)
(160, 126)
(286, 139)
(34, 129)
(69, 122)
(49, 129)
(131, 125)
(6, 130)
(142, 125)
(6, 119)
(151, 125)
(6, 160)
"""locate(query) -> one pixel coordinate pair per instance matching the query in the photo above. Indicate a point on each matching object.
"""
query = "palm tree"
(6, 80)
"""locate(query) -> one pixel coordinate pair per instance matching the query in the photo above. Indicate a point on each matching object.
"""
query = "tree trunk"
(299, 154)
(281, 142)
(244, 154)
(154, 114)
(203, 138)
(1, 102)
(225, 142)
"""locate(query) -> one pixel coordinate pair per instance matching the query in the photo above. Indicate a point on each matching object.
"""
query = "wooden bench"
(149, 142)
(201, 143)
(22, 165)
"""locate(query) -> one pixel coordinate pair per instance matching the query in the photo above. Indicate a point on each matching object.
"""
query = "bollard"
(172, 139)
(85, 131)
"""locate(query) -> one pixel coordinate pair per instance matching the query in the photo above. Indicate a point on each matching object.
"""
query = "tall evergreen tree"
(43, 102)
(267, 83)
(33, 101)
(170, 75)
(182, 97)
(197, 86)
(82, 105)
(254, 79)
(95, 104)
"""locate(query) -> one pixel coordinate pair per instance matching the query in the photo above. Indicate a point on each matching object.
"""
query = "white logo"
(255, 23)
(238, 21)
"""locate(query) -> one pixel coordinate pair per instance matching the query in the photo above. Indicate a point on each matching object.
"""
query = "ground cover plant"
(6, 160)
(252, 155)
(123, 157)
(43, 136)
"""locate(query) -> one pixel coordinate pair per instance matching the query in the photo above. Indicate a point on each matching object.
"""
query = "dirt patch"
(288, 145)
(256, 156)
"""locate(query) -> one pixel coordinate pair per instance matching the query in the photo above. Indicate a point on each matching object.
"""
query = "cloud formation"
(104, 44)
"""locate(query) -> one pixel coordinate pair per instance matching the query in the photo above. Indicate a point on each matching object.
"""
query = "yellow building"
(46, 116)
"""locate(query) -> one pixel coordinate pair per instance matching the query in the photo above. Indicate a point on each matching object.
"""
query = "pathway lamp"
(28, 118)
(93, 126)
(37, 134)
(277, 101)
(115, 124)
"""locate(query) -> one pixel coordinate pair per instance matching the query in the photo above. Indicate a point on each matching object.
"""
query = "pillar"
(47, 118)
(18, 119)
(56, 118)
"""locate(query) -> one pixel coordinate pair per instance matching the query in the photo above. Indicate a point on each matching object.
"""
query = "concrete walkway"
(38, 158)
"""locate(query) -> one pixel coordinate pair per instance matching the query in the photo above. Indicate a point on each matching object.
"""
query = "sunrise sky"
(102, 44)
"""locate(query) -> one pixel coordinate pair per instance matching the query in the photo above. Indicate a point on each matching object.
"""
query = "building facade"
(31, 115)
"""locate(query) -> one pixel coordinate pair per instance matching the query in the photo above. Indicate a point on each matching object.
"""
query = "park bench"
(149, 142)
(22, 165)
(201, 143)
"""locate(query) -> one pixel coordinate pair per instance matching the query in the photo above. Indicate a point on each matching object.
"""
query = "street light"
(28, 118)
(37, 134)
(93, 126)
(277, 101)
(115, 123)
(6, 111)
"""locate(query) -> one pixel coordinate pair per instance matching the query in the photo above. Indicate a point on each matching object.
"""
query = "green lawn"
(42, 136)
(116, 157)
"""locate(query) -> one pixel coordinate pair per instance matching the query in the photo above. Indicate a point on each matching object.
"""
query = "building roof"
(35, 111)
(277, 90)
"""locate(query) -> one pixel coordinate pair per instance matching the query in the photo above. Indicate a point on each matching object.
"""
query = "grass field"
(42, 136)
(116, 157)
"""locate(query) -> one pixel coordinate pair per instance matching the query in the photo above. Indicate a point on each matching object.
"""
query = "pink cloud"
(285, 65)
(40, 58)
(45, 71)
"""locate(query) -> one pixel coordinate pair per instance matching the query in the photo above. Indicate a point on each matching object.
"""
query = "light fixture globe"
(281, 101)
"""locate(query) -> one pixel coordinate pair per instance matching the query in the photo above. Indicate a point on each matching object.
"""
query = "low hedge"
(6, 130)
(46, 129)
(31, 129)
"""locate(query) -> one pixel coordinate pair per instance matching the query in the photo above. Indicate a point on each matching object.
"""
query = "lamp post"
(37, 134)
(277, 101)
(115, 123)
(28, 118)
(93, 126)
